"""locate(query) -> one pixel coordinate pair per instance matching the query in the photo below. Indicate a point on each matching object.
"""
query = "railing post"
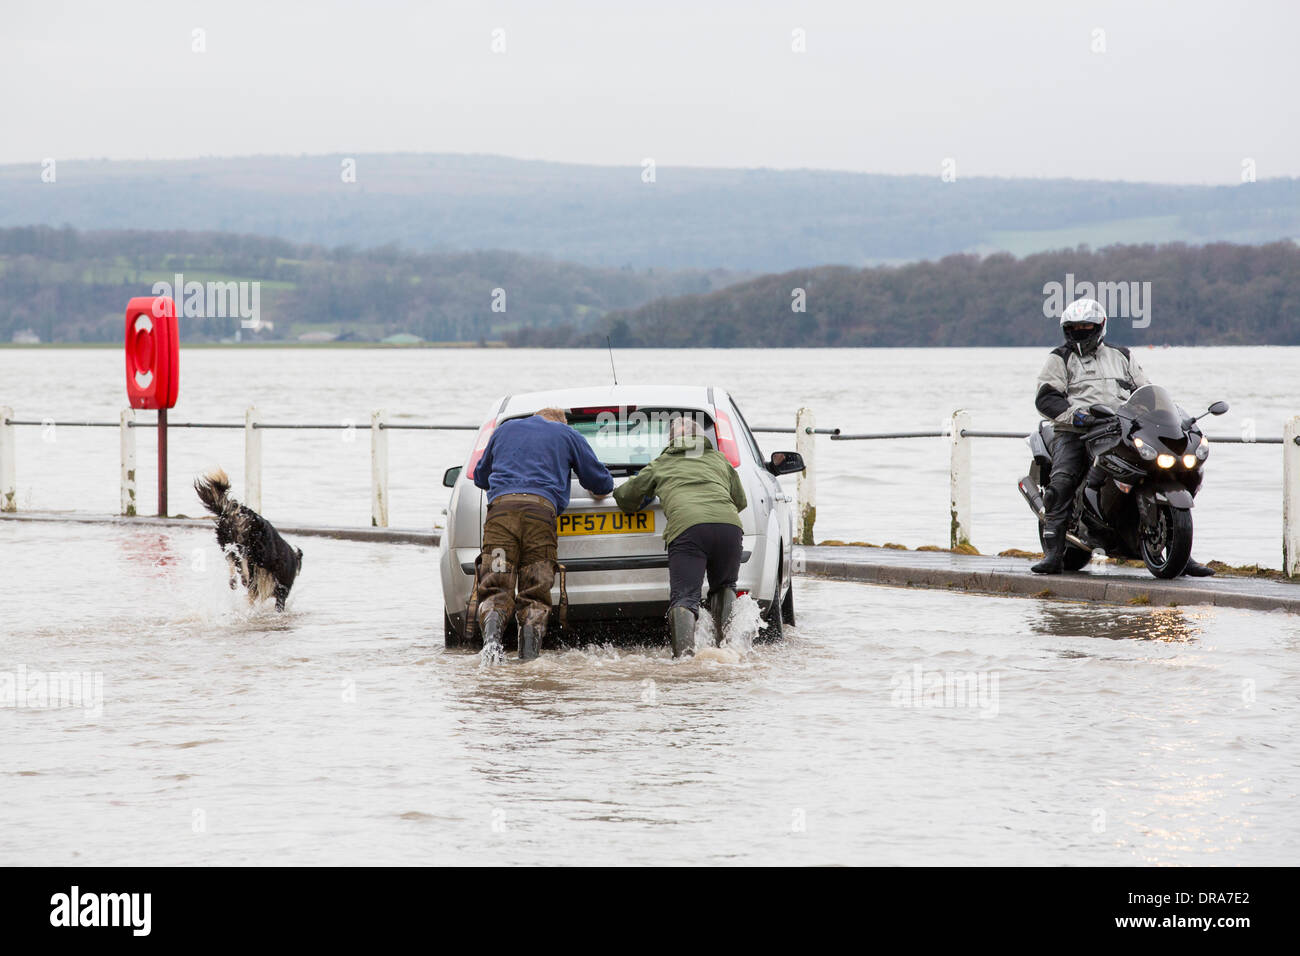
(127, 444)
(378, 469)
(252, 460)
(8, 490)
(1291, 498)
(805, 443)
(959, 475)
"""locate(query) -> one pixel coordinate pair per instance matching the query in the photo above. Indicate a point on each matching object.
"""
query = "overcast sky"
(1183, 92)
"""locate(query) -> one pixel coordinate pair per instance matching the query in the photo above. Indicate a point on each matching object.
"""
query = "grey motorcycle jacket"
(1071, 382)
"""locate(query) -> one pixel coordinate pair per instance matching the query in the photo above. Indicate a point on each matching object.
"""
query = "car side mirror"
(785, 463)
(1102, 411)
(451, 476)
(1219, 408)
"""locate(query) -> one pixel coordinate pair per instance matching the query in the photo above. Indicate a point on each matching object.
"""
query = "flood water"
(891, 726)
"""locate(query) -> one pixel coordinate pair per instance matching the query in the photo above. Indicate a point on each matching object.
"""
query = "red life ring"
(153, 361)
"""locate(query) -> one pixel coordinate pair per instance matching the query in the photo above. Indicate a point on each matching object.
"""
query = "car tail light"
(480, 443)
(726, 438)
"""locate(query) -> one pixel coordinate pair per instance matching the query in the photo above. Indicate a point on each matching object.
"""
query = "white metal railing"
(252, 427)
(805, 430)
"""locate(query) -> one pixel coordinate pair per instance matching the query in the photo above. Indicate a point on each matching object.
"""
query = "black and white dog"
(258, 557)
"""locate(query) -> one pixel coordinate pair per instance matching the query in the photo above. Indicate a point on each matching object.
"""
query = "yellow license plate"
(605, 522)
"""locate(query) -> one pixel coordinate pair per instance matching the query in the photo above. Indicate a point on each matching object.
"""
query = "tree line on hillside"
(70, 286)
(1217, 294)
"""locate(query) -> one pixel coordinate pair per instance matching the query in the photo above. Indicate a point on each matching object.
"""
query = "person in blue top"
(525, 471)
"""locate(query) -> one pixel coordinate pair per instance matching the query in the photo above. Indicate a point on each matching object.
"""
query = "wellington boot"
(530, 642)
(722, 604)
(681, 630)
(493, 627)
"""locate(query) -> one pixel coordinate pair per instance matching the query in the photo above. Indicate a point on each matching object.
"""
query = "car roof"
(594, 396)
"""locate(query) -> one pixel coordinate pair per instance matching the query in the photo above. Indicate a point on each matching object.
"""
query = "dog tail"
(214, 491)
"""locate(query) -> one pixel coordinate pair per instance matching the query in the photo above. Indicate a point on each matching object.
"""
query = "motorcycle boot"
(1053, 549)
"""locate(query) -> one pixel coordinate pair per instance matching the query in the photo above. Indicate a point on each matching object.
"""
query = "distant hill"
(755, 220)
(1219, 294)
(67, 286)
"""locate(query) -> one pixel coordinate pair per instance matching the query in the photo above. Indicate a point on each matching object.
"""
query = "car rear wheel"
(451, 636)
(773, 629)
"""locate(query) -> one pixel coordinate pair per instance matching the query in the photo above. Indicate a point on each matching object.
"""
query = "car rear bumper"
(618, 563)
(627, 586)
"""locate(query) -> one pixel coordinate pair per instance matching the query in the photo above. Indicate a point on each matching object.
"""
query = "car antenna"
(611, 359)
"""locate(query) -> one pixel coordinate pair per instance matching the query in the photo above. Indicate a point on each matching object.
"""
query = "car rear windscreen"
(631, 436)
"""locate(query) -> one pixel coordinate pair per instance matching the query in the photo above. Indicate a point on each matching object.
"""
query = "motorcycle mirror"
(1218, 408)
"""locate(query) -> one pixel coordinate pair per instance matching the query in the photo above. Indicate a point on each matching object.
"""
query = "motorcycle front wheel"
(1167, 546)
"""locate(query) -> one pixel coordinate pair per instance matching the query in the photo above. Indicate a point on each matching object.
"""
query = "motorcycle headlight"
(1203, 449)
(1190, 461)
(1166, 461)
(1145, 450)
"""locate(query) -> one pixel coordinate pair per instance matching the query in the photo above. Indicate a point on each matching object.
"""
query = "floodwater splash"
(222, 605)
(736, 647)
(492, 654)
(738, 633)
(746, 620)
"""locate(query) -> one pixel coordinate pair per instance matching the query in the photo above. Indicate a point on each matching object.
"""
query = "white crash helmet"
(1079, 313)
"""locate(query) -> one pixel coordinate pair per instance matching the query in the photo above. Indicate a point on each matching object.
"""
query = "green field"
(148, 277)
(1024, 242)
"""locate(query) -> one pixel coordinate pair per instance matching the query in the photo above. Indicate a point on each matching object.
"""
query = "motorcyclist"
(1083, 372)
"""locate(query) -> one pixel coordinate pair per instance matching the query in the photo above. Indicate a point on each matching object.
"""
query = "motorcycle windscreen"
(1155, 410)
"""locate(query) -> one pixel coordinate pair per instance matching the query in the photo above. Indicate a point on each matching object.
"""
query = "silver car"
(616, 565)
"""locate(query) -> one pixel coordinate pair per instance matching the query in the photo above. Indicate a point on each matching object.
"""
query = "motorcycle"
(1136, 501)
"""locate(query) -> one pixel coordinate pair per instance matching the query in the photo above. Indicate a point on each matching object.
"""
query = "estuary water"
(875, 491)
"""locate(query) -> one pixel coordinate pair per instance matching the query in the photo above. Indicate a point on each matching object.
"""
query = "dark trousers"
(519, 545)
(1069, 464)
(712, 549)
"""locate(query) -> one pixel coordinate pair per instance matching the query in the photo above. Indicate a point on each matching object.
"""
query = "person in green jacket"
(702, 499)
